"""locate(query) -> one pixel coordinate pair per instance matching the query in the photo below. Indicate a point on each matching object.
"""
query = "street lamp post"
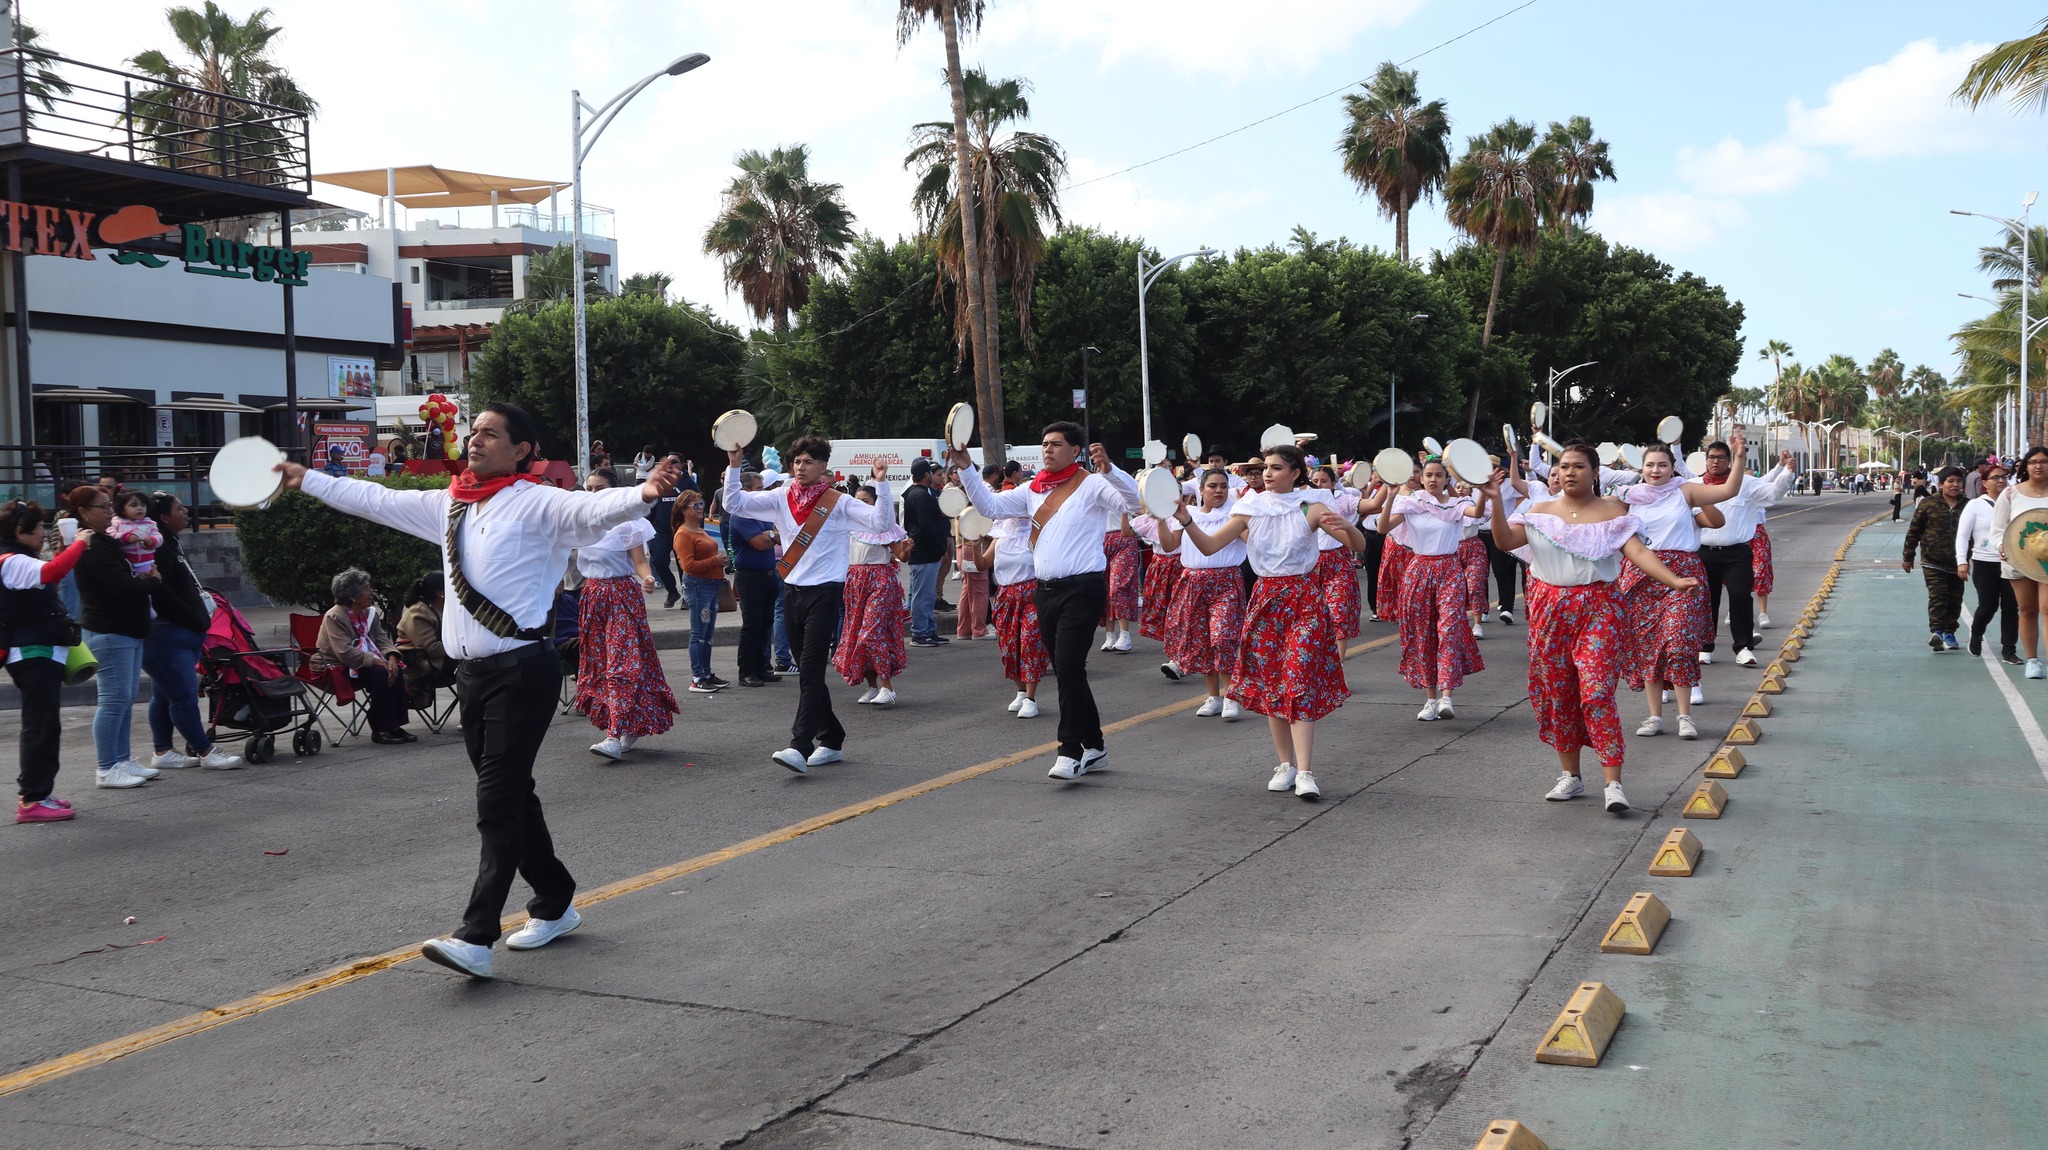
(1550, 408)
(2026, 274)
(1148, 273)
(1827, 443)
(1087, 400)
(600, 119)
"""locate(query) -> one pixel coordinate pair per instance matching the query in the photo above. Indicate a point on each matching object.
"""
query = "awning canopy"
(326, 404)
(217, 406)
(83, 395)
(426, 186)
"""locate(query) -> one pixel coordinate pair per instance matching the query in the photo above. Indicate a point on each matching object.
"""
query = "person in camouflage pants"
(1933, 534)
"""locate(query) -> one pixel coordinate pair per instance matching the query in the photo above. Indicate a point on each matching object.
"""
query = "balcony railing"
(597, 221)
(467, 304)
(50, 101)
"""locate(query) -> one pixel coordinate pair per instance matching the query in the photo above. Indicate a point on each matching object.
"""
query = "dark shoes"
(393, 738)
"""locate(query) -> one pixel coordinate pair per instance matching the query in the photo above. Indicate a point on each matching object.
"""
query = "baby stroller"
(252, 690)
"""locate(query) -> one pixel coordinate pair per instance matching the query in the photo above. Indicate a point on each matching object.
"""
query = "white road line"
(2021, 713)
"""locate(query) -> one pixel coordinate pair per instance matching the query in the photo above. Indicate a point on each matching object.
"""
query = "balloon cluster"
(438, 413)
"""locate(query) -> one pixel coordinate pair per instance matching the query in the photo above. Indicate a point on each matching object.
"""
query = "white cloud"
(1666, 222)
(1212, 36)
(1123, 206)
(1732, 168)
(1898, 108)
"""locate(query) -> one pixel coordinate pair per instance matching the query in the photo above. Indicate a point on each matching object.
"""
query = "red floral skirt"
(1761, 577)
(1662, 629)
(1575, 642)
(1206, 626)
(1437, 647)
(1017, 637)
(1472, 561)
(1162, 583)
(1289, 666)
(1126, 575)
(619, 681)
(1394, 559)
(873, 617)
(1339, 582)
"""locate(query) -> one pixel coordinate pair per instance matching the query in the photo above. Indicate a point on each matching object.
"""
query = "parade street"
(934, 945)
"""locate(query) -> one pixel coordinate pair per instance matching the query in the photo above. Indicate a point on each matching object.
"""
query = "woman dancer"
(1289, 665)
(2030, 491)
(1667, 627)
(1762, 577)
(1162, 578)
(1006, 550)
(1206, 627)
(1573, 544)
(873, 613)
(1126, 581)
(619, 681)
(1437, 648)
(1336, 564)
(1472, 563)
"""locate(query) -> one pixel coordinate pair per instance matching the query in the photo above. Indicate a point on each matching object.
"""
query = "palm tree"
(655, 284)
(1774, 350)
(954, 16)
(548, 282)
(1395, 147)
(775, 229)
(1580, 160)
(1987, 352)
(41, 82)
(1015, 186)
(228, 61)
(1886, 374)
(2016, 69)
(1497, 194)
(2004, 262)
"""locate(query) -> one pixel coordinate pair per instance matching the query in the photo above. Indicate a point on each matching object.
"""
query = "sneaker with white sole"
(137, 769)
(609, 748)
(219, 760)
(1016, 703)
(886, 697)
(455, 954)
(1706, 658)
(1123, 640)
(1699, 696)
(823, 755)
(1282, 780)
(1654, 725)
(1065, 769)
(1092, 759)
(1667, 695)
(1171, 670)
(1478, 632)
(1745, 658)
(114, 778)
(1305, 786)
(1210, 708)
(1566, 787)
(1687, 729)
(1507, 618)
(868, 696)
(171, 760)
(793, 759)
(1615, 800)
(539, 932)
(1109, 641)
(1444, 710)
(1763, 620)
(1029, 710)
(1231, 710)
(627, 742)
(2035, 669)
(1428, 712)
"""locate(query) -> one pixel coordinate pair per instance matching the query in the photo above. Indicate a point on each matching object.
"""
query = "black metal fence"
(182, 471)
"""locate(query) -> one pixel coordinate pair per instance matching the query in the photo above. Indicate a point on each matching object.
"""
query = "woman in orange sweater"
(703, 564)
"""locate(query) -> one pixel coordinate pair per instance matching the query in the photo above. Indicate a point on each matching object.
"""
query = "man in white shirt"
(1724, 550)
(1068, 558)
(505, 539)
(814, 586)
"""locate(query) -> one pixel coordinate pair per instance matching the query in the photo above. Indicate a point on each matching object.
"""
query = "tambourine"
(1610, 453)
(1153, 453)
(1631, 457)
(1536, 413)
(1507, 437)
(734, 430)
(1430, 445)
(1551, 447)
(1696, 463)
(1275, 436)
(244, 473)
(1467, 462)
(1359, 477)
(1159, 491)
(1191, 447)
(1669, 429)
(960, 426)
(1394, 465)
(973, 525)
(953, 502)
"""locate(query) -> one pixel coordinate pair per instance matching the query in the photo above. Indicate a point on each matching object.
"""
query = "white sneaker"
(455, 954)
(1687, 729)
(1667, 695)
(1567, 787)
(539, 932)
(823, 755)
(1123, 640)
(1699, 696)
(627, 742)
(1016, 702)
(1706, 658)
(114, 777)
(137, 769)
(1231, 710)
(219, 760)
(793, 759)
(868, 696)
(1443, 708)
(1507, 618)
(1428, 712)
(1109, 641)
(1064, 768)
(1171, 670)
(1282, 780)
(1029, 710)
(171, 760)
(1305, 786)
(1616, 801)
(886, 697)
(1763, 620)
(2035, 670)
(609, 748)
(1092, 758)
(1745, 658)
(1478, 632)
(1210, 708)
(1654, 725)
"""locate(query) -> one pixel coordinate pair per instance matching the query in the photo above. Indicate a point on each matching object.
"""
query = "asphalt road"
(1161, 954)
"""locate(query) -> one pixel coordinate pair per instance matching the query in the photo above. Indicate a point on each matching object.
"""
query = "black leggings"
(1994, 595)
(1375, 544)
(1506, 570)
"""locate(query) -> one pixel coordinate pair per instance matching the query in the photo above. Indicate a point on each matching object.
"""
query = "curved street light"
(2018, 227)
(1148, 273)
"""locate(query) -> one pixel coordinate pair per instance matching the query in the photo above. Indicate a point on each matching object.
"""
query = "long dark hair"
(17, 516)
(425, 589)
(161, 504)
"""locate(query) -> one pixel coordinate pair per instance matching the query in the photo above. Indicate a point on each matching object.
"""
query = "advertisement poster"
(349, 377)
(351, 437)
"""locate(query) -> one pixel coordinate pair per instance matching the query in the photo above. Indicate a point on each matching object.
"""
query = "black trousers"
(388, 698)
(661, 553)
(1729, 567)
(505, 714)
(1994, 596)
(756, 593)
(1375, 546)
(1068, 610)
(40, 681)
(811, 616)
(1507, 571)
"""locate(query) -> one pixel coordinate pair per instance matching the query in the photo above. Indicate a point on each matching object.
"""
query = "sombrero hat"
(2026, 543)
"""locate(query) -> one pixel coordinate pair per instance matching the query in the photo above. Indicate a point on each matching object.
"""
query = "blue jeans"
(924, 594)
(120, 671)
(171, 658)
(782, 656)
(68, 592)
(701, 597)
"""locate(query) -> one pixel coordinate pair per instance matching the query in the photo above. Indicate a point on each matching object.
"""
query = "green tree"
(776, 229)
(41, 82)
(548, 281)
(293, 549)
(655, 284)
(1775, 350)
(2016, 70)
(224, 60)
(1497, 194)
(1395, 147)
(660, 372)
(1580, 160)
(2005, 261)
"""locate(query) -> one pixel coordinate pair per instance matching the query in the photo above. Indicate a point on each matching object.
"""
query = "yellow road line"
(342, 975)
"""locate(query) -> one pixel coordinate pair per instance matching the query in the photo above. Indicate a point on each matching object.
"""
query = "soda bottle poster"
(351, 378)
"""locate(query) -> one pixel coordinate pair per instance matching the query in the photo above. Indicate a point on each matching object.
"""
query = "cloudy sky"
(1803, 155)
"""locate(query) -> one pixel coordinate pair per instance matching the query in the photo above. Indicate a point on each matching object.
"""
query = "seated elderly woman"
(427, 664)
(354, 640)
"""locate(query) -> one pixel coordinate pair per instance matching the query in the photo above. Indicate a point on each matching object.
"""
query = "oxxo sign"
(41, 230)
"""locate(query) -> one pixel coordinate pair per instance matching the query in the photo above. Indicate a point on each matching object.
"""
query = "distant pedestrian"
(1932, 533)
(41, 642)
(1977, 555)
(931, 534)
(703, 567)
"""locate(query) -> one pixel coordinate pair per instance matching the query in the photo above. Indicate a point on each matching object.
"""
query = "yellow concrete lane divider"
(1758, 707)
(1677, 855)
(1638, 927)
(1508, 1134)
(1707, 802)
(1745, 733)
(1584, 1028)
(1727, 763)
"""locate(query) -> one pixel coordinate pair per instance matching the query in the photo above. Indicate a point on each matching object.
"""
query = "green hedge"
(293, 549)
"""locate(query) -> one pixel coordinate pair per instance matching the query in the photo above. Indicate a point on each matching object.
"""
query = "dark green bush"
(293, 549)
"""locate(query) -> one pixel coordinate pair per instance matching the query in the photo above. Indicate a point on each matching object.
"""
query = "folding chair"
(423, 686)
(334, 695)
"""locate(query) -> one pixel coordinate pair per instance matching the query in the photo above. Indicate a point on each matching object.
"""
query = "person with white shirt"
(1724, 550)
(1472, 563)
(1574, 544)
(814, 565)
(1005, 553)
(620, 685)
(2027, 491)
(1071, 568)
(1290, 665)
(1977, 560)
(1664, 627)
(1437, 648)
(1206, 626)
(505, 540)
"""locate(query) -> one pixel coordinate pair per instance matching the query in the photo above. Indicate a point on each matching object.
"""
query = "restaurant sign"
(42, 230)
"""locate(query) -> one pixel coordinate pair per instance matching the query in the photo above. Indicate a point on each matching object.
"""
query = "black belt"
(1723, 546)
(1064, 580)
(504, 659)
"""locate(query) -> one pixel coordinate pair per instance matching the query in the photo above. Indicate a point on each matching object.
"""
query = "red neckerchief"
(469, 489)
(802, 498)
(1045, 480)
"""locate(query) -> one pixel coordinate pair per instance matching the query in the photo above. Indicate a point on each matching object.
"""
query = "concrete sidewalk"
(1858, 958)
